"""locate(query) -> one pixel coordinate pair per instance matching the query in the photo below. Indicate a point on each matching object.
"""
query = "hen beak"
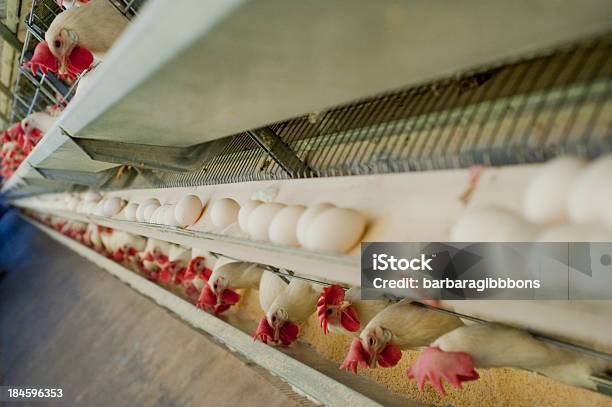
(373, 360)
(276, 332)
(219, 298)
(63, 62)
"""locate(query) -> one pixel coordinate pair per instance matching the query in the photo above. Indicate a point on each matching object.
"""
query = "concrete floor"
(66, 323)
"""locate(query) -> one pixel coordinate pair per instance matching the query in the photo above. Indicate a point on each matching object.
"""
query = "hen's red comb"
(42, 59)
(289, 333)
(332, 295)
(119, 255)
(208, 300)
(264, 331)
(80, 59)
(390, 356)
(350, 320)
(165, 275)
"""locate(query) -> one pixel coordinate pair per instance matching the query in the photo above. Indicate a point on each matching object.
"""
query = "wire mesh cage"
(523, 112)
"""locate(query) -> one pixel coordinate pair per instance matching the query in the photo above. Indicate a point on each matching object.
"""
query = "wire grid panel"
(241, 159)
(129, 8)
(521, 113)
(524, 112)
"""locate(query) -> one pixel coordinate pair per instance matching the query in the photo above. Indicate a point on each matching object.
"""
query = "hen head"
(172, 271)
(217, 304)
(60, 53)
(333, 309)
(275, 328)
(125, 252)
(29, 127)
(197, 268)
(374, 346)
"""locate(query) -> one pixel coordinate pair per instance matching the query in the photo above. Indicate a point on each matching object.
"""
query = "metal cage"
(30, 93)
(524, 112)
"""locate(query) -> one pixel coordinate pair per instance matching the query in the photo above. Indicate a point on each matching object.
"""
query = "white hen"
(454, 357)
(290, 308)
(398, 327)
(344, 312)
(227, 276)
(76, 36)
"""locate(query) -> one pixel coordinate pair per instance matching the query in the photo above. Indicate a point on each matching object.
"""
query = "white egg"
(157, 216)
(335, 230)
(245, 211)
(165, 210)
(224, 212)
(547, 195)
(148, 211)
(130, 211)
(308, 217)
(591, 196)
(112, 206)
(141, 208)
(283, 228)
(188, 210)
(169, 217)
(492, 225)
(575, 233)
(260, 219)
(89, 207)
(92, 196)
(73, 203)
(99, 208)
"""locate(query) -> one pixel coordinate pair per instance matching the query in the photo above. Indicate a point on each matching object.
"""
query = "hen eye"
(329, 311)
(371, 341)
(215, 286)
(273, 318)
(57, 43)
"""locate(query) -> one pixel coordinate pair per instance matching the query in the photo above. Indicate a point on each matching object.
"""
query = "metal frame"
(526, 112)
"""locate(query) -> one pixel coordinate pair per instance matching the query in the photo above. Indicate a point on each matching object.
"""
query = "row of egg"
(186, 212)
(318, 227)
(571, 189)
(496, 224)
(568, 199)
